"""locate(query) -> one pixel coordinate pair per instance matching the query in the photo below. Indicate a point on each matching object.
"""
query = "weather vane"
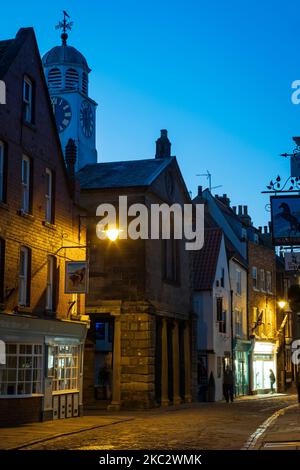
(64, 25)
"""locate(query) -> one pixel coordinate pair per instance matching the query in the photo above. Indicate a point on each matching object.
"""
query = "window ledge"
(4, 205)
(61, 392)
(33, 395)
(256, 289)
(49, 225)
(26, 215)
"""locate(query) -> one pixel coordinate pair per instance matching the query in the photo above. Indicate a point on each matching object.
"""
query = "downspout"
(231, 325)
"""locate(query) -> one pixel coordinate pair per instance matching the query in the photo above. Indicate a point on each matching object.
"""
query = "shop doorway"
(98, 362)
(261, 370)
(103, 359)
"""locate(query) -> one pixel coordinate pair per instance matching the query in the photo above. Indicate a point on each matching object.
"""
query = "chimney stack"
(260, 229)
(240, 210)
(163, 145)
(234, 209)
(265, 229)
(200, 191)
(245, 210)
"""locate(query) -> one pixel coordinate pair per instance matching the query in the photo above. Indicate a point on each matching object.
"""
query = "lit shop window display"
(63, 367)
(263, 364)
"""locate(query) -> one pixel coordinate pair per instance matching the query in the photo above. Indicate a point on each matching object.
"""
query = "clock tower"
(67, 76)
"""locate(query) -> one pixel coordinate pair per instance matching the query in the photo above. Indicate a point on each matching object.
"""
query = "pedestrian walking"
(228, 384)
(272, 380)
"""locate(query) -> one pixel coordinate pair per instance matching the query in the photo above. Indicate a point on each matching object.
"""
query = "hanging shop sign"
(262, 347)
(76, 277)
(292, 261)
(285, 212)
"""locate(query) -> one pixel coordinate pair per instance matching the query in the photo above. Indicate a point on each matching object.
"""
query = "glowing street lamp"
(281, 304)
(112, 234)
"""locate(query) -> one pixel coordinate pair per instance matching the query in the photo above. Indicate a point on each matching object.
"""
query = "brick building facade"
(262, 308)
(40, 229)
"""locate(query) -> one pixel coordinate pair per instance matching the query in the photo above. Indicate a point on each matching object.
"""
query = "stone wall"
(137, 356)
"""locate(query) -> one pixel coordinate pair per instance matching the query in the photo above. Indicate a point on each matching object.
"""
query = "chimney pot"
(265, 229)
(260, 229)
(200, 191)
(240, 210)
(245, 210)
(234, 209)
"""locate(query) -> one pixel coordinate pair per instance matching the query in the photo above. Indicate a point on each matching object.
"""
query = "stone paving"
(194, 426)
(284, 433)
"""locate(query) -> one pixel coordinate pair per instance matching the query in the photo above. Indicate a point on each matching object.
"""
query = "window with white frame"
(49, 196)
(269, 281)
(50, 282)
(64, 367)
(27, 100)
(24, 276)
(254, 277)
(238, 323)
(221, 315)
(2, 172)
(238, 282)
(262, 279)
(26, 186)
(23, 371)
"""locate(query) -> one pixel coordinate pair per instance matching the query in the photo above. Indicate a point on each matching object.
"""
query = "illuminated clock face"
(62, 112)
(86, 119)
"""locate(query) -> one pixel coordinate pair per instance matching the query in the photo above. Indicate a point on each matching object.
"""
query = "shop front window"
(63, 367)
(23, 371)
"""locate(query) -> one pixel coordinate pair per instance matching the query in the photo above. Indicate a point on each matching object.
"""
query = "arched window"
(72, 79)
(84, 83)
(54, 79)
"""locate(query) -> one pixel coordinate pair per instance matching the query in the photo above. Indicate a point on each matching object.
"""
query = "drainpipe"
(231, 324)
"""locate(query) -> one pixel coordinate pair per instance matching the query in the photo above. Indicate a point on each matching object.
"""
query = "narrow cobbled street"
(196, 426)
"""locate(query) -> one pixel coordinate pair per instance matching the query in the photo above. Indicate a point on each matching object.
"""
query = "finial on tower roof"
(64, 25)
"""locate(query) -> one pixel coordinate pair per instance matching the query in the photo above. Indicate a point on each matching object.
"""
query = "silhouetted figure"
(228, 384)
(272, 380)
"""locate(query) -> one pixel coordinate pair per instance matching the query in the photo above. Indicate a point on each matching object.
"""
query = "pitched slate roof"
(9, 49)
(205, 261)
(130, 173)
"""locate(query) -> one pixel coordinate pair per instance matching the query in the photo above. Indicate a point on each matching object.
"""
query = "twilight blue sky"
(216, 74)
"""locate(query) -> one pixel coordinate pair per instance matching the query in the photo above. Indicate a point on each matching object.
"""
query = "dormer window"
(72, 79)
(54, 79)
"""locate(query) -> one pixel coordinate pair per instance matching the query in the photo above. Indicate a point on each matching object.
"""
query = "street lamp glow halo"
(112, 234)
(281, 303)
